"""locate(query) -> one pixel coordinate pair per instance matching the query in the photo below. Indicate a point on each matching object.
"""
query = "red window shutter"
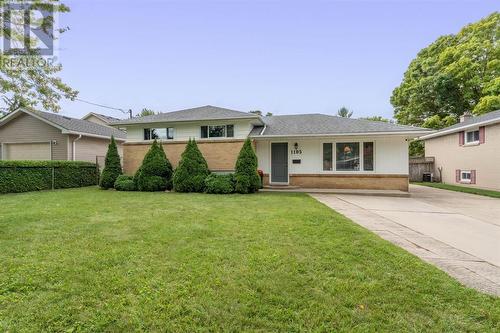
(481, 134)
(457, 176)
(473, 176)
(461, 138)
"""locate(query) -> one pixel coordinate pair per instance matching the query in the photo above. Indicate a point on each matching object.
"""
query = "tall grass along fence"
(25, 176)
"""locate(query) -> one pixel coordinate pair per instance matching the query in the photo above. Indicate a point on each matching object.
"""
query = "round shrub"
(154, 184)
(192, 170)
(219, 184)
(246, 176)
(124, 183)
(112, 167)
(155, 173)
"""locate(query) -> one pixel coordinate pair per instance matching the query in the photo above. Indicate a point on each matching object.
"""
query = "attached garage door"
(27, 151)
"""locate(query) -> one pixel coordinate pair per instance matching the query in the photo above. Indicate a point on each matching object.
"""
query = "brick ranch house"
(468, 153)
(308, 150)
(35, 135)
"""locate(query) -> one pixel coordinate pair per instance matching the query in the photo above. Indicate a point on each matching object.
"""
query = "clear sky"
(283, 57)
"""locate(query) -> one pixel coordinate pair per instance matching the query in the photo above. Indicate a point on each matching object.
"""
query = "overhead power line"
(129, 111)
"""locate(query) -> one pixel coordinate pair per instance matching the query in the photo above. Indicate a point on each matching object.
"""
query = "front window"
(327, 157)
(368, 156)
(347, 156)
(465, 176)
(472, 136)
(159, 133)
(217, 131)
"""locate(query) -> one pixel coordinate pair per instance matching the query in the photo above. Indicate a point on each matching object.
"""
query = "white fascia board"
(409, 134)
(459, 129)
(92, 135)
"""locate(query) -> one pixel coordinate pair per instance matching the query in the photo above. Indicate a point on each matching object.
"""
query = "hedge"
(125, 183)
(219, 184)
(25, 176)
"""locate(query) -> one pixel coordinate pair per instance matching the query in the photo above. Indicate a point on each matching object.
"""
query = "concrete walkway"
(457, 232)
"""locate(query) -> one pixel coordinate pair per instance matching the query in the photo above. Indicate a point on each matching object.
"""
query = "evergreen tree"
(155, 173)
(192, 170)
(112, 166)
(246, 175)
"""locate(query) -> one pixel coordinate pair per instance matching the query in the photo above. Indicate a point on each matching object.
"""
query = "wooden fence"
(421, 165)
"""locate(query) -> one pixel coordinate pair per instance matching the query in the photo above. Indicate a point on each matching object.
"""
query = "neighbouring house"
(467, 153)
(308, 150)
(36, 135)
(100, 119)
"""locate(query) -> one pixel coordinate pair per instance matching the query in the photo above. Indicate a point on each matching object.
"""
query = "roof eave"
(93, 135)
(399, 133)
(97, 116)
(459, 129)
(124, 123)
(13, 114)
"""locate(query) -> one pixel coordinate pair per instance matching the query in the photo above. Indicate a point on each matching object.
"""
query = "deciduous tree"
(32, 86)
(455, 74)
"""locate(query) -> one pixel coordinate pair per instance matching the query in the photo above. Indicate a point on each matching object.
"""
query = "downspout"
(74, 146)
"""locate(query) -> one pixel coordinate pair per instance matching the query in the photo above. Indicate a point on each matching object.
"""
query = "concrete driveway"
(460, 233)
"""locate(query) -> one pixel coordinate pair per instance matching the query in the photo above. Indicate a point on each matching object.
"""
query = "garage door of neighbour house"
(279, 162)
(27, 151)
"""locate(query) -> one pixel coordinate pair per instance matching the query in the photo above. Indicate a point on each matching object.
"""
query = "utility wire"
(129, 111)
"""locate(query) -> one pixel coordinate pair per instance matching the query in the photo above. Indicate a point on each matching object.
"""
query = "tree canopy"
(378, 118)
(146, 112)
(25, 85)
(344, 112)
(455, 74)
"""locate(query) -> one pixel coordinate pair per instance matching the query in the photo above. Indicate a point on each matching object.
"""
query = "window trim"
(465, 180)
(161, 139)
(216, 137)
(360, 153)
(475, 142)
(361, 157)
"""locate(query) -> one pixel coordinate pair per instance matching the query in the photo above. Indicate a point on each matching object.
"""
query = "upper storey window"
(217, 131)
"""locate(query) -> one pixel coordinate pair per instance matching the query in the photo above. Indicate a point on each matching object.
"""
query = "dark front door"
(279, 162)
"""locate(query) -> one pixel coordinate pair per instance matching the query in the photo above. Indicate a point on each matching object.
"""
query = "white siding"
(391, 155)
(184, 131)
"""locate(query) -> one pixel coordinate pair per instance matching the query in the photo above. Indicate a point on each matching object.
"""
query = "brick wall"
(220, 155)
(366, 182)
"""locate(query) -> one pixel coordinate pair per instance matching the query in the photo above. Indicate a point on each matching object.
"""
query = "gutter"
(263, 130)
(74, 146)
(92, 135)
(413, 133)
(459, 129)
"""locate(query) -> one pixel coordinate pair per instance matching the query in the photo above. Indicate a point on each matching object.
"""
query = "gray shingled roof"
(207, 112)
(80, 125)
(493, 116)
(318, 124)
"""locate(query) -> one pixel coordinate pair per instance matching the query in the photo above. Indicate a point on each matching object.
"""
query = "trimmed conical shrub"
(246, 176)
(192, 170)
(112, 167)
(155, 173)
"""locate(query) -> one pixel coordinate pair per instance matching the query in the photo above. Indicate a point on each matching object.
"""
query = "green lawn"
(92, 260)
(464, 189)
